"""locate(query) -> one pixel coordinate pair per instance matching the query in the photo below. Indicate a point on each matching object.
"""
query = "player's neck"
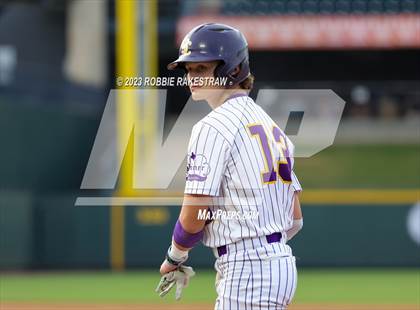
(225, 96)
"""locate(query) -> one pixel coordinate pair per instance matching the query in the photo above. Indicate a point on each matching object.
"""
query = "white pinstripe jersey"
(239, 154)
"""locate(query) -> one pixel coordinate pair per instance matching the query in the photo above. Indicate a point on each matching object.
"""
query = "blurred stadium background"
(359, 248)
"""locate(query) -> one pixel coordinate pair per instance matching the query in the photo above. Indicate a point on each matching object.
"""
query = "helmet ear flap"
(218, 70)
(222, 71)
(232, 79)
(234, 73)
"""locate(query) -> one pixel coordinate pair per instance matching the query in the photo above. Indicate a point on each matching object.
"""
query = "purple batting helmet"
(209, 42)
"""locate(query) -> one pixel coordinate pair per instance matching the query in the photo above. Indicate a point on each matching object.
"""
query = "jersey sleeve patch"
(198, 167)
(206, 161)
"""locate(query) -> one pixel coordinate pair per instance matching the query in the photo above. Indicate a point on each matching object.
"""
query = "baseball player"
(240, 176)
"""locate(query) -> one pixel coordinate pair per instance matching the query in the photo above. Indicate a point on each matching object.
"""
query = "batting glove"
(180, 277)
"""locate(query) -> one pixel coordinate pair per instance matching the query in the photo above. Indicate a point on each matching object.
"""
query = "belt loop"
(222, 250)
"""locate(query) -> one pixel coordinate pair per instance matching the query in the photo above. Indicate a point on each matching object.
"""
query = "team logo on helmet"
(185, 46)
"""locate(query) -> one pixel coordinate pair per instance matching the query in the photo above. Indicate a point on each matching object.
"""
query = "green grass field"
(344, 286)
(362, 166)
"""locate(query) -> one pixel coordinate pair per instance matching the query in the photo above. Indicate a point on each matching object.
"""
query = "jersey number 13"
(273, 166)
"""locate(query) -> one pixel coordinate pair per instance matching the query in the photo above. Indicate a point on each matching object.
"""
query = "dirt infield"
(33, 306)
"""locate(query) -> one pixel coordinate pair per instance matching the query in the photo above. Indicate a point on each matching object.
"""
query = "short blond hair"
(248, 83)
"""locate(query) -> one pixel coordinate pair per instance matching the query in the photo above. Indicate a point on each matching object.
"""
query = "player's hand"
(167, 267)
(172, 260)
(180, 277)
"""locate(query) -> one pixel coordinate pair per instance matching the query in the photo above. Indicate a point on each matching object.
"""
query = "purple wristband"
(184, 238)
